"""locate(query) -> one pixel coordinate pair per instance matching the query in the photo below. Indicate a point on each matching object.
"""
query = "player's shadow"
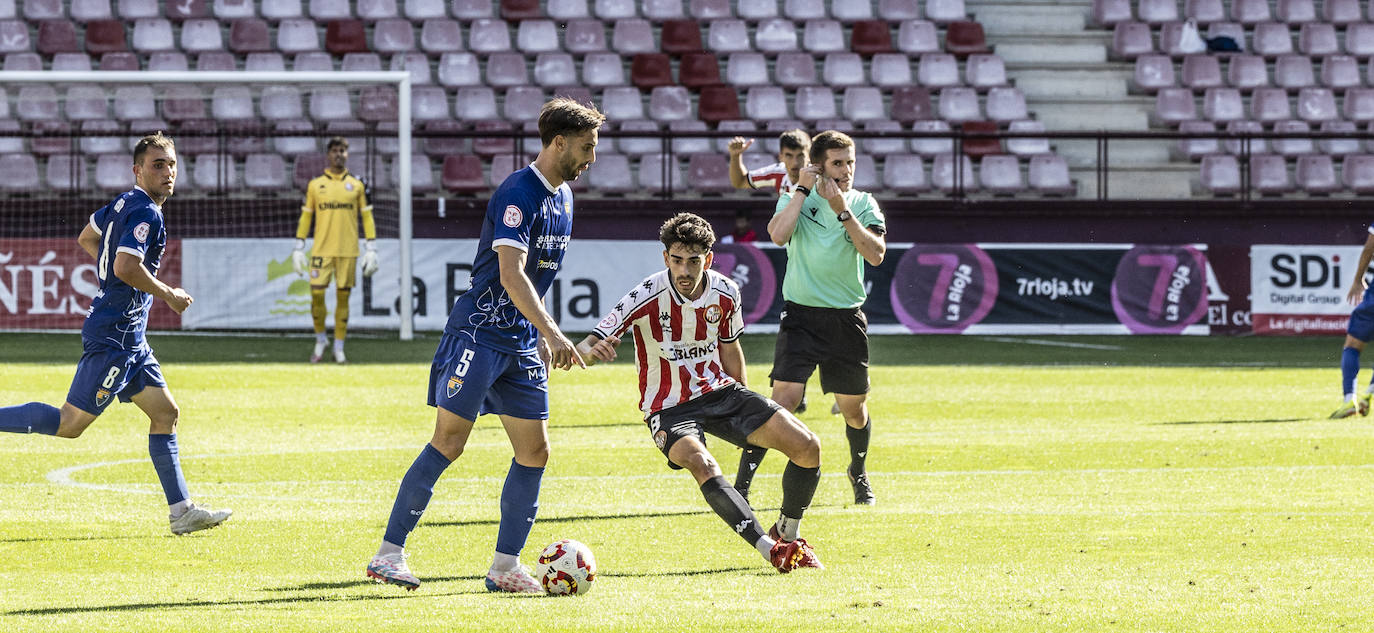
(69, 539)
(189, 604)
(362, 582)
(570, 519)
(1263, 421)
(683, 572)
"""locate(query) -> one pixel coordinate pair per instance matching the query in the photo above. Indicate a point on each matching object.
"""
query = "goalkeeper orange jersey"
(335, 201)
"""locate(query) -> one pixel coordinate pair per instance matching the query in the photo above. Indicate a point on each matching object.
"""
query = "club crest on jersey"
(513, 216)
(455, 384)
(713, 314)
(609, 322)
(141, 232)
(348, 186)
(661, 438)
(102, 397)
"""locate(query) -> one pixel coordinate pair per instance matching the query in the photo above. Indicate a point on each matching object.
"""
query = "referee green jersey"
(824, 270)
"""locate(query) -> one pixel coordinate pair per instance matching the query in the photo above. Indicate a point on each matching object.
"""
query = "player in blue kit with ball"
(127, 239)
(498, 345)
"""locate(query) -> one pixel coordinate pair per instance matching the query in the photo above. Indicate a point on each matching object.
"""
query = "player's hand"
(808, 176)
(179, 300)
(603, 350)
(545, 356)
(826, 188)
(299, 262)
(564, 353)
(1356, 293)
(370, 262)
(739, 144)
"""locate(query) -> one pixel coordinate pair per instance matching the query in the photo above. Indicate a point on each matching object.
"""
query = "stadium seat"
(615, 9)
(938, 70)
(1220, 174)
(891, 70)
(249, 35)
(728, 36)
(1317, 39)
(35, 10)
(168, 60)
(1237, 146)
(307, 167)
(443, 144)
(506, 69)
(905, 173)
(1131, 39)
(622, 103)
(650, 70)
(1358, 105)
(985, 71)
(14, 37)
(98, 136)
(1027, 146)
(1000, 175)
(697, 70)
(944, 11)
(815, 102)
(414, 62)
(342, 37)
(764, 103)
(910, 103)
(1296, 11)
(1247, 72)
(537, 36)
(1157, 11)
(134, 102)
(1272, 39)
(555, 69)
(686, 139)
(291, 9)
(805, 9)
(1204, 11)
(718, 103)
(942, 173)
(112, 171)
(1222, 105)
(297, 36)
(823, 36)
(428, 103)
(292, 145)
(522, 103)
(977, 147)
(708, 173)
(264, 61)
(463, 174)
(214, 172)
(21, 172)
(1170, 37)
(1201, 72)
(1196, 148)
(372, 10)
(1341, 11)
(795, 69)
(631, 36)
(1357, 173)
(1293, 72)
(71, 61)
(85, 102)
(313, 61)
(475, 103)
(651, 174)
(1359, 39)
(51, 137)
(756, 11)
(234, 9)
(425, 9)
(518, 10)
(612, 174)
(80, 10)
(66, 172)
(895, 10)
(843, 69)
(231, 102)
(598, 69)
(265, 172)
(1316, 105)
(329, 104)
(280, 103)
(584, 36)
(18, 62)
(1227, 29)
(201, 35)
(459, 69)
(105, 36)
(775, 36)
(1153, 72)
(421, 174)
(154, 35)
(361, 62)
(718, 9)
(59, 36)
(36, 102)
(1269, 174)
(880, 146)
(958, 104)
(393, 36)
(852, 11)
(1292, 146)
(1048, 175)
(640, 145)
(1340, 72)
(119, 61)
(441, 36)
(670, 103)
(135, 9)
(1250, 11)
(1339, 146)
(871, 37)
(916, 37)
(1174, 105)
(865, 103)
(680, 36)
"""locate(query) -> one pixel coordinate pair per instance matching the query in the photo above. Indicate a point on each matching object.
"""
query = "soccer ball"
(566, 568)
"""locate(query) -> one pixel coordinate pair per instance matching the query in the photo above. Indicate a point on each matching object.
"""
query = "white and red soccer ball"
(566, 568)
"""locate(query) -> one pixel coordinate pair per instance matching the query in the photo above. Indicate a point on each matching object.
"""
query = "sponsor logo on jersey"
(455, 384)
(102, 397)
(141, 232)
(688, 351)
(713, 314)
(347, 206)
(513, 216)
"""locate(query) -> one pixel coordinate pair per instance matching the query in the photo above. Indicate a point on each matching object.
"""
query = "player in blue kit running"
(127, 238)
(1358, 332)
(498, 345)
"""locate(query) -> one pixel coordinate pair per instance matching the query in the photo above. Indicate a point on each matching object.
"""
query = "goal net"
(247, 144)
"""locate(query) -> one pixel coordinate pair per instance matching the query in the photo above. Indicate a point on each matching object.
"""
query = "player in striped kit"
(687, 322)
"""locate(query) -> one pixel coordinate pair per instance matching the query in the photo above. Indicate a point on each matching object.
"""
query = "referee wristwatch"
(844, 216)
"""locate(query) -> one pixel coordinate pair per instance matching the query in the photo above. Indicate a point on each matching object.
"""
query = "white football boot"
(196, 518)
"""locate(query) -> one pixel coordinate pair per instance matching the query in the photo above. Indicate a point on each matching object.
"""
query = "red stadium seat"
(463, 174)
(870, 37)
(911, 103)
(650, 70)
(444, 145)
(965, 38)
(58, 36)
(105, 36)
(680, 36)
(514, 11)
(340, 37)
(248, 35)
(979, 147)
(718, 103)
(697, 70)
(491, 145)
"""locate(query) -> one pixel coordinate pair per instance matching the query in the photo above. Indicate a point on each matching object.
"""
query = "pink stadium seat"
(1000, 175)
(441, 36)
(795, 69)
(749, 69)
(942, 173)
(709, 173)
(42, 10)
(650, 70)
(506, 69)
(71, 61)
(1341, 11)
(622, 103)
(1358, 105)
(105, 36)
(1196, 148)
(641, 145)
(894, 10)
(698, 70)
(306, 167)
(249, 35)
(1027, 146)
(910, 103)
(1357, 173)
(1222, 105)
(1157, 11)
(1316, 105)
(670, 103)
(843, 69)
(371, 10)
(651, 174)
(152, 35)
(213, 172)
(612, 174)
(915, 37)
(959, 104)
(264, 61)
(865, 103)
(52, 137)
(870, 37)
(98, 136)
(1204, 11)
(598, 69)
(776, 36)
(168, 61)
(280, 102)
(1175, 105)
(685, 140)
(615, 9)
(393, 36)
(754, 11)
(584, 36)
(1250, 11)
(1272, 39)
(135, 9)
(523, 103)
(1049, 176)
(905, 173)
(537, 36)
(1247, 72)
(119, 61)
(361, 62)
(728, 36)
(851, 11)
(1296, 11)
(1220, 174)
(1131, 39)
(879, 146)
(289, 9)
(297, 36)
(1111, 12)
(201, 35)
(134, 102)
(414, 62)
(86, 102)
(174, 11)
(938, 70)
(293, 145)
(112, 171)
(313, 61)
(234, 9)
(1340, 72)
(231, 102)
(718, 103)
(59, 36)
(329, 104)
(21, 172)
(631, 36)
(66, 172)
(421, 174)
(459, 69)
(866, 173)
(1204, 71)
(1269, 174)
(1005, 104)
(444, 145)
(945, 11)
(265, 172)
(1317, 39)
(82, 10)
(815, 102)
(716, 9)
(824, 36)
(1169, 37)
(985, 71)
(428, 103)
(1293, 72)
(36, 102)
(659, 10)
(1292, 146)
(891, 70)
(463, 174)
(553, 69)
(1237, 146)
(763, 103)
(14, 37)
(20, 61)
(425, 9)
(805, 9)
(1339, 146)
(475, 103)
(477, 9)
(1153, 72)
(1359, 39)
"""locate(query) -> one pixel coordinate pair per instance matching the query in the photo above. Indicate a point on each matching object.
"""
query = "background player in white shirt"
(687, 323)
(779, 177)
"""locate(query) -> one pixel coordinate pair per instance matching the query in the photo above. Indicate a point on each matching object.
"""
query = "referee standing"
(830, 230)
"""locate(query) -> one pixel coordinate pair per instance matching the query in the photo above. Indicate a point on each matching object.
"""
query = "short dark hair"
(794, 139)
(826, 141)
(337, 140)
(687, 229)
(565, 117)
(152, 140)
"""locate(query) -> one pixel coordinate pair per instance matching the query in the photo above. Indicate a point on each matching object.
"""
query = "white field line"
(1040, 341)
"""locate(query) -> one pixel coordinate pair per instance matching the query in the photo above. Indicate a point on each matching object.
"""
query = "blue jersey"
(533, 216)
(132, 224)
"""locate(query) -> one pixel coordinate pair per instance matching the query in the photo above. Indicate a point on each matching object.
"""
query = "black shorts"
(836, 339)
(730, 414)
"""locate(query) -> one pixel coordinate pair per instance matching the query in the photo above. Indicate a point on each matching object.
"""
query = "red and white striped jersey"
(677, 341)
(772, 177)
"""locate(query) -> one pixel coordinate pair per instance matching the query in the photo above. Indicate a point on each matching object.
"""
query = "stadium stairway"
(1070, 84)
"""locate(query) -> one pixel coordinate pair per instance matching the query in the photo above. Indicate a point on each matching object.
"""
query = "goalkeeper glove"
(370, 259)
(299, 261)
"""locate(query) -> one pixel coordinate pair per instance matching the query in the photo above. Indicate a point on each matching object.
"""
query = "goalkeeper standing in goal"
(334, 200)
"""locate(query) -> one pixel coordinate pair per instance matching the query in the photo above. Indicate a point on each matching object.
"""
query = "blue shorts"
(105, 372)
(1362, 319)
(468, 380)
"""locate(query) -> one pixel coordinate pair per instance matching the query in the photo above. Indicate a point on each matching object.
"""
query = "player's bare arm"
(732, 361)
(595, 349)
(129, 269)
(89, 240)
(521, 292)
(782, 225)
(739, 176)
(871, 246)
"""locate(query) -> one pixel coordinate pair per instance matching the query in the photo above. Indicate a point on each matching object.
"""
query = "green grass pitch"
(1024, 484)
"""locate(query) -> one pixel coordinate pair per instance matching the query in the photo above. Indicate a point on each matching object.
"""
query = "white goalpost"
(65, 151)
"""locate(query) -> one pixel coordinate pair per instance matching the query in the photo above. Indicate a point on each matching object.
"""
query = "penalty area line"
(1040, 341)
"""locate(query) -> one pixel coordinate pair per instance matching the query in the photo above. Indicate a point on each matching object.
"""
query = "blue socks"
(519, 504)
(1350, 367)
(34, 417)
(163, 449)
(416, 489)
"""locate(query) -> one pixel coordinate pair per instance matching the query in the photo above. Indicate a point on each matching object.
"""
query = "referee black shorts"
(835, 339)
